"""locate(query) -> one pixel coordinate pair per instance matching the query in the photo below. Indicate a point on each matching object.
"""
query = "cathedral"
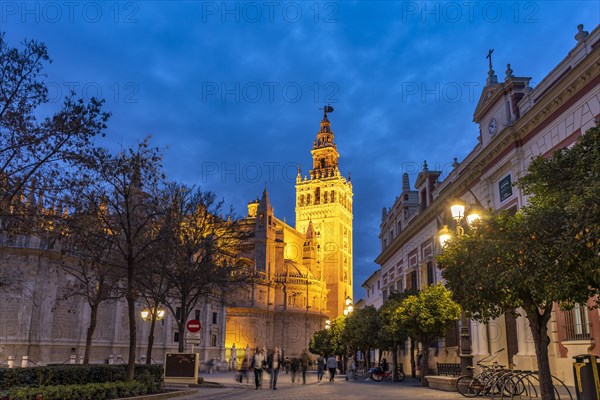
(306, 271)
(305, 275)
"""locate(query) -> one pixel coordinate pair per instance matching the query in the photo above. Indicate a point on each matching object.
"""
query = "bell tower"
(324, 202)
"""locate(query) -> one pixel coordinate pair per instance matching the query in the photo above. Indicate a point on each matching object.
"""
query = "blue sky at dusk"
(233, 89)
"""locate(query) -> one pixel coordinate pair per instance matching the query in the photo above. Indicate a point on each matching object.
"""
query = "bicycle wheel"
(468, 386)
(377, 377)
(401, 376)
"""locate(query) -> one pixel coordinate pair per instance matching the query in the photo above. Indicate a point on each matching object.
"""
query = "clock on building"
(492, 126)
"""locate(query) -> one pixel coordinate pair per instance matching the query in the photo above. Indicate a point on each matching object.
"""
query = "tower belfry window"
(317, 195)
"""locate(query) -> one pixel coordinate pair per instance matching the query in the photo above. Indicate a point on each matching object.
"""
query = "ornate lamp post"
(151, 315)
(349, 308)
(457, 210)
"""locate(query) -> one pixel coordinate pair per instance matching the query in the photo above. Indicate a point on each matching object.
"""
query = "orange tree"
(426, 316)
(545, 253)
(391, 333)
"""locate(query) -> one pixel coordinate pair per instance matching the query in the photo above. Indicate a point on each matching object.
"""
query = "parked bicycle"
(378, 374)
(496, 382)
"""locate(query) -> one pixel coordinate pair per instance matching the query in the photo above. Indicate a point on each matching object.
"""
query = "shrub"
(74, 374)
(91, 391)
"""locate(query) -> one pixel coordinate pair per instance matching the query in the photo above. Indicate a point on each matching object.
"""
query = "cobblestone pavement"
(340, 389)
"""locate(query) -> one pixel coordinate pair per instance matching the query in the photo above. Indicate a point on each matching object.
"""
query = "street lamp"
(349, 308)
(151, 315)
(328, 324)
(146, 314)
(457, 210)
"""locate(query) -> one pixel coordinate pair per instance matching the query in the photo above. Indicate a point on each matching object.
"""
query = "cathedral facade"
(305, 272)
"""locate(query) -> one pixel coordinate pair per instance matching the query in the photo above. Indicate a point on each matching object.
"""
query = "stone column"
(522, 334)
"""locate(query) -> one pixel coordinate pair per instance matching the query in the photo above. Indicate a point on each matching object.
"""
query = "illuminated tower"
(325, 199)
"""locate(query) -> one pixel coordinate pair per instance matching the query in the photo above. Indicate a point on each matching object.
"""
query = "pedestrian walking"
(274, 361)
(257, 364)
(351, 368)
(244, 369)
(294, 368)
(331, 366)
(320, 367)
(287, 365)
(304, 361)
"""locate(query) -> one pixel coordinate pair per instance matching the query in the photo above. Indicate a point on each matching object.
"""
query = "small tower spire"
(405, 182)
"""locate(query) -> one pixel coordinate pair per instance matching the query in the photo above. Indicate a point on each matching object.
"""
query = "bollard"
(72, 359)
(11, 361)
(80, 359)
(111, 359)
(25, 362)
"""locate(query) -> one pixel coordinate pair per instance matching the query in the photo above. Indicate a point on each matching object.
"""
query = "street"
(340, 389)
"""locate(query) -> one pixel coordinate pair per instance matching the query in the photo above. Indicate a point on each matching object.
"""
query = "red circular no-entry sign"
(193, 325)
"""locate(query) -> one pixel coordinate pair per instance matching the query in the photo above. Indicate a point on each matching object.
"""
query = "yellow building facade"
(305, 272)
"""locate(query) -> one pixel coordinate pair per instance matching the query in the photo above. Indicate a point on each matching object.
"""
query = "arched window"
(325, 197)
(308, 200)
(301, 200)
(317, 195)
(332, 196)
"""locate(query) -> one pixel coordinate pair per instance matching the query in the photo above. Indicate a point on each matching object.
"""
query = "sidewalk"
(410, 389)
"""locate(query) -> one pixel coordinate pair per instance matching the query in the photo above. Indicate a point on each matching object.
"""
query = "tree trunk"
(413, 366)
(395, 362)
(425, 364)
(90, 333)
(539, 329)
(132, 332)
(181, 330)
(151, 336)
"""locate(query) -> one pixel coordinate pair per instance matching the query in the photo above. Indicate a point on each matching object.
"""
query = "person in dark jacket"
(320, 367)
(304, 361)
(294, 367)
(331, 366)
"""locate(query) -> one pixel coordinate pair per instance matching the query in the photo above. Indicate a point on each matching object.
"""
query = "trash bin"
(587, 380)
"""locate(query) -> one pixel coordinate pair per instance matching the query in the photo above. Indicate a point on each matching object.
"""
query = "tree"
(88, 261)
(570, 182)
(391, 332)
(362, 330)
(37, 155)
(203, 244)
(128, 184)
(337, 336)
(154, 283)
(320, 343)
(544, 254)
(427, 316)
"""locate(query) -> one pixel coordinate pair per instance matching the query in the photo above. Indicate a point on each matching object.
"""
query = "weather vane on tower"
(326, 109)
